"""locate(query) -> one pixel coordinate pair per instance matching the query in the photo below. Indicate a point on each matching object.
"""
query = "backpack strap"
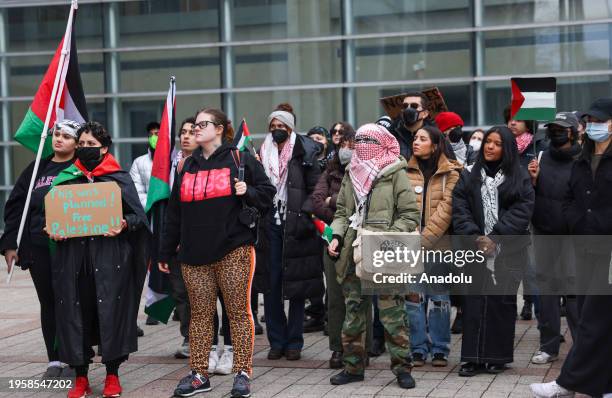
(540, 156)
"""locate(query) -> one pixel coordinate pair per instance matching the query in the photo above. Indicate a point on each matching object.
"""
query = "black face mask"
(90, 157)
(410, 116)
(279, 136)
(558, 139)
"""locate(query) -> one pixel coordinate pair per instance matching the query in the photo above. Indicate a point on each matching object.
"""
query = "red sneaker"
(81, 388)
(112, 388)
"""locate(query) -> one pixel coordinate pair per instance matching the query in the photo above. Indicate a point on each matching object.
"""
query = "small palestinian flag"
(534, 98)
(69, 102)
(243, 138)
(323, 229)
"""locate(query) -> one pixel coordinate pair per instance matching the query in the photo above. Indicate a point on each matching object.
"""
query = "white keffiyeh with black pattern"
(490, 198)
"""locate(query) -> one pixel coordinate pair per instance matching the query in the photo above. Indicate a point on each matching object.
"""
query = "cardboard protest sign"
(436, 101)
(393, 104)
(83, 209)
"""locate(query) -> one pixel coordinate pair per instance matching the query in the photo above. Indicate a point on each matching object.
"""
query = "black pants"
(91, 325)
(179, 294)
(227, 337)
(40, 270)
(587, 368)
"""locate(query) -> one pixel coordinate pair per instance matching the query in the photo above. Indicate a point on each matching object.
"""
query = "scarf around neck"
(490, 198)
(523, 141)
(276, 168)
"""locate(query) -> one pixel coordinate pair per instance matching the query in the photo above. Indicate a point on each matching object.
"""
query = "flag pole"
(43, 136)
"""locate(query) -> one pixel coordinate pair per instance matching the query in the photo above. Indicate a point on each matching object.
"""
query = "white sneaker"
(213, 360)
(550, 390)
(226, 362)
(541, 358)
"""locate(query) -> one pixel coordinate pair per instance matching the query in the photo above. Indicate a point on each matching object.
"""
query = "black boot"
(344, 378)
(335, 362)
(378, 347)
(151, 321)
(314, 325)
(527, 312)
(405, 380)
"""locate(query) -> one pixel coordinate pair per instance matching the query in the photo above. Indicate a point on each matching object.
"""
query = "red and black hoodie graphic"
(203, 209)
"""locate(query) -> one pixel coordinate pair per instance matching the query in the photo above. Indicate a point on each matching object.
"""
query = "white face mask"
(345, 155)
(475, 144)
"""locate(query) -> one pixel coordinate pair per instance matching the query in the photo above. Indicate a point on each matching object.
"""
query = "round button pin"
(418, 189)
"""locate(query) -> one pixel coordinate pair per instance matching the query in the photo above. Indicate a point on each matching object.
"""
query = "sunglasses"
(412, 105)
(337, 132)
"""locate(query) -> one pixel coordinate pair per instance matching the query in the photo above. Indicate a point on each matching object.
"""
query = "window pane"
(136, 113)
(409, 15)
(504, 12)
(42, 28)
(159, 22)
(419, 57)
(151, 70)
(572, 94)
(312, 108)
(4, 195)
(458, 98)
(563, 49)
(273, 19)
(287, 64)
(26, 73)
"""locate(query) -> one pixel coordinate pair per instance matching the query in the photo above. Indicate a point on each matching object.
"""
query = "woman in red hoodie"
(211, 216)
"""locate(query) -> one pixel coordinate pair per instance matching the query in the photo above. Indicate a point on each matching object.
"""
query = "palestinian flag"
(159, 303)
(324, 230)
(69, 102)
(534, 98)
(159, 184)
(243, 138)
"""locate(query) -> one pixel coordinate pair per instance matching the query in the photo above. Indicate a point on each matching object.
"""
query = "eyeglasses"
(412, 105)
(337, 132)
(366, 140)
(203, 124)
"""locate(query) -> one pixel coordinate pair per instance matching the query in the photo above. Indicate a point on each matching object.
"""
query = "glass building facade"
(331, 59)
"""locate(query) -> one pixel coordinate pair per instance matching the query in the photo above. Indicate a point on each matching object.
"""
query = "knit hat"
(446, 120)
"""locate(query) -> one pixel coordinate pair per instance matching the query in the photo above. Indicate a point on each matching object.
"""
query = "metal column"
(4, 91)
(479, 62)
(348, 63)
(227, 57)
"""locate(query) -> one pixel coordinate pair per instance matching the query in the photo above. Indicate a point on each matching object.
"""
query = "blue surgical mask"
(598, 132)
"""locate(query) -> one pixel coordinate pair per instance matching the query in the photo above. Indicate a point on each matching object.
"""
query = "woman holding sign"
(34, 248)
(212, 217)
(99, 279)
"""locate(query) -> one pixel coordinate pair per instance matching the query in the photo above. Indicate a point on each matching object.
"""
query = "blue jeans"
(431, 312)
(284, 333)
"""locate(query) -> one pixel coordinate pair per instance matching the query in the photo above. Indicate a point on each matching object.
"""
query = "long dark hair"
(439, 140)
(510, 162)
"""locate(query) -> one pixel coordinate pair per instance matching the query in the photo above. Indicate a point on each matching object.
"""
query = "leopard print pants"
(233, 276)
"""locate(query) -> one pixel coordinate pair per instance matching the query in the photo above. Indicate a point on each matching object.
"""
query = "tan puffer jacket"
(438, 211)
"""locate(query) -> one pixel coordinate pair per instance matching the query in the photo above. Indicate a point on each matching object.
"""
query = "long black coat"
(119, 265)
(513, 213)
(302, 247)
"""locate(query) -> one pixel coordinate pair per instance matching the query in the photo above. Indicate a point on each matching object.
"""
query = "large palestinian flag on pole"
(534, 98)
(70, 98)
(159, 303)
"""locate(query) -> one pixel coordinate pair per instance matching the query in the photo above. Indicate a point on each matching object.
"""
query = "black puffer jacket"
(551, 186)
(302, 247)
(514, 213)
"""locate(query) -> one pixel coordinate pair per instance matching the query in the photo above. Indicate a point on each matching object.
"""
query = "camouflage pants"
(392, 316)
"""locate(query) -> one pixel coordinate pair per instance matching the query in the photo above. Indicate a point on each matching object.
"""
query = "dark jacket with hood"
(203, 210)
(551, 186)
(302, 247)
(119, 265)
